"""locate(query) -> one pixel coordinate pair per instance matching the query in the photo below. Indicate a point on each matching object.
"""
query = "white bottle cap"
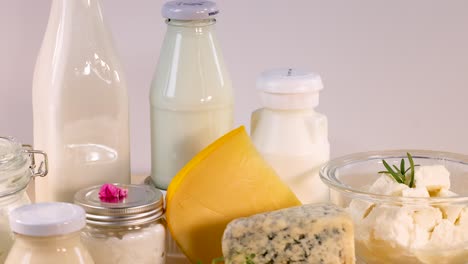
(289, 88)
(47, 219)
(190, 10)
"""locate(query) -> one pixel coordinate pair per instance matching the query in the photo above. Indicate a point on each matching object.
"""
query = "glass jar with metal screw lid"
(17, 168)
(125, 230)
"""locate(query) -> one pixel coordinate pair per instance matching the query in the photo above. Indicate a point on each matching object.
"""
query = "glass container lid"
(17, 165)
(12, 155)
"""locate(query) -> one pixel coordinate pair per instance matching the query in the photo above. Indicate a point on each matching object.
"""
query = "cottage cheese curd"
(124, 231)
(411, 233)
(142, 245)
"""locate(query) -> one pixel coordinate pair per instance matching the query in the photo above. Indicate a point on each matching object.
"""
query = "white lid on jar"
(190, 10)
(47, 219)
(289, 88)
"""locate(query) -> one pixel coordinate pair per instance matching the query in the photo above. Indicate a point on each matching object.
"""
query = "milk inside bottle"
(191, 96)
(80, 103)
(289, 133)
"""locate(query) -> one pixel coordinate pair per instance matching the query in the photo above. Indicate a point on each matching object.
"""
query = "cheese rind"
(305, 234)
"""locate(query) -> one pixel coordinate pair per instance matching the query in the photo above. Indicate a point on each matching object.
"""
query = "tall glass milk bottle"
(80, 103)
(191, 95)
(290, 134)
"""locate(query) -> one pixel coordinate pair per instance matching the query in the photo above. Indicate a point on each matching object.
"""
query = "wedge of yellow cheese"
(227, 180)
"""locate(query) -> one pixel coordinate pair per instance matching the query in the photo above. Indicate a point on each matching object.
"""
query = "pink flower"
(112, 193)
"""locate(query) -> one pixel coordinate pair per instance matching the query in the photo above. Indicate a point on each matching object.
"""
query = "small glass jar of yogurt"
(48, 233)
(17, 168)
(127, 230)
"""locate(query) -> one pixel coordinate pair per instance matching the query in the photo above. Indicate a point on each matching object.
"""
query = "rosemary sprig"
(399, 174)
(411, 184)
(249, 259)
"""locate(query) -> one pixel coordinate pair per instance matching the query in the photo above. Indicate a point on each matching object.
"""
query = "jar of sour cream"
(48, 233)
(17, 168)
(127, 230)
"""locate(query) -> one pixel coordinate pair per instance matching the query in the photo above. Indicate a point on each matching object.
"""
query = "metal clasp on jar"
(43, 167)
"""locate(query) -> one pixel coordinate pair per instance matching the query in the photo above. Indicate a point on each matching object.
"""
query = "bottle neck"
(77, 27)
(191, 73)
(290, 102)
(195, 26)
(85, 5)
(290, 110)
(71, 9)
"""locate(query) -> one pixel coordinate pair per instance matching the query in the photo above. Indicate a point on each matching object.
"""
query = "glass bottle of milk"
(289, 134)
(191, 95)
(80, 103)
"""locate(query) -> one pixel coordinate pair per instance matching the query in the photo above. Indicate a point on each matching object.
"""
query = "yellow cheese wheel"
(227, 180)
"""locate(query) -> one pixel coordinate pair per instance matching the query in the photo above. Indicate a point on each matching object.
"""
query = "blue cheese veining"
(306, 234)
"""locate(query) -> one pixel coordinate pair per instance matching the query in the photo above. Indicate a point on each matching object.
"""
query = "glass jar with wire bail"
(17, 168)
(127, 229)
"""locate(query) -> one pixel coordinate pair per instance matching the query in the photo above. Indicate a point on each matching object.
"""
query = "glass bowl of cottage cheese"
(407, 208)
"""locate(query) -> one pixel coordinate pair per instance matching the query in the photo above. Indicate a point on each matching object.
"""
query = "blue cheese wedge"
(319, 233)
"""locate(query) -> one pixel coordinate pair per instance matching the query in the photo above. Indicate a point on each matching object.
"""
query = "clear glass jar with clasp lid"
(127, 230)
(17, 168)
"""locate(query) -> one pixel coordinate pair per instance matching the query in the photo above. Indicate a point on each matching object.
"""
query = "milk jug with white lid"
(191, 96)
(80, 103)
(289, 133)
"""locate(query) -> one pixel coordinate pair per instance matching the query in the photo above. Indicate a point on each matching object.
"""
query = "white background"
(395, 71)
